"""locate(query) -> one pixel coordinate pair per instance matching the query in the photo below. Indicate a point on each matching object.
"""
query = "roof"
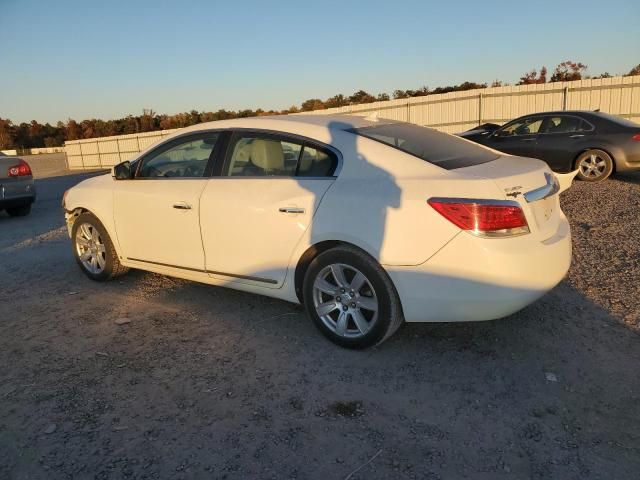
(288, 122)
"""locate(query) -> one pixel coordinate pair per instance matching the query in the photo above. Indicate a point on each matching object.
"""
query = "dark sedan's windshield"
(441, 149)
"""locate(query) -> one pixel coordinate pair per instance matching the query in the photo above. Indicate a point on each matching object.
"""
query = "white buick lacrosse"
(367, 222)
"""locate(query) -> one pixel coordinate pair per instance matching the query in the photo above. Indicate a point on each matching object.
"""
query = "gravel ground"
(203, 382)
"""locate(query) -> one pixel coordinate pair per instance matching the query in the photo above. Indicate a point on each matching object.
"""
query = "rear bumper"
(627, 158)
(17, 193)
(473, 279)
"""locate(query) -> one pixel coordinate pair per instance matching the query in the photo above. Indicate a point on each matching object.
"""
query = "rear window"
(441, 149)
(619, 120)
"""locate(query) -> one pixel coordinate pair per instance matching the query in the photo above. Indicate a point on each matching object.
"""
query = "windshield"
(441, 149)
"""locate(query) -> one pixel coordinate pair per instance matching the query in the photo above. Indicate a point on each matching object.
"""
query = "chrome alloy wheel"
(345, 300)
(90, 248)
(592, 166)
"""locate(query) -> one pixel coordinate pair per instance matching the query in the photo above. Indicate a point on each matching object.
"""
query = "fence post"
(118, 145)
(99, 156)
(480, 97)
(81, 155)
(565, 98)
(408, 111)
(138, 142)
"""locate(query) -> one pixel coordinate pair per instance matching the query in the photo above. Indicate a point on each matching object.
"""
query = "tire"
(21, 211)
(349, 311)
(89, 240)
(594, 165)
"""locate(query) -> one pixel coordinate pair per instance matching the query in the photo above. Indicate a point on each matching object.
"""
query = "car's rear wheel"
(20, 211)
(93, 249)
(350, 298)
(594, 165)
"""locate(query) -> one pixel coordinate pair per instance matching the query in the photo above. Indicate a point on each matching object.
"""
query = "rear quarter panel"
(379, 203)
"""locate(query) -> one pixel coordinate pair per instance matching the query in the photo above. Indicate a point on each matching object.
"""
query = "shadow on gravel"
(205, 382)
(629, 177)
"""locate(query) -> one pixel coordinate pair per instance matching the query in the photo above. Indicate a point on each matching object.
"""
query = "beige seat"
(268, 155)
(241, 156)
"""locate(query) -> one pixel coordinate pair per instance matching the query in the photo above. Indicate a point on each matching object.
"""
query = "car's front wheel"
(350, 298)
(594, 165)
(93, 249)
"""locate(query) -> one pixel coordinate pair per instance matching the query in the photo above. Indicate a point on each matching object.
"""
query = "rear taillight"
(486, 218)
(636, 137)
(22, 169)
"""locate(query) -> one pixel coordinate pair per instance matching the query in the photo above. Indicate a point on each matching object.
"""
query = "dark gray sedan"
(597, 144)
(17, 190)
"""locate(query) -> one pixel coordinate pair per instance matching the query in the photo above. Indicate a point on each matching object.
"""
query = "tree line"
(34, 134)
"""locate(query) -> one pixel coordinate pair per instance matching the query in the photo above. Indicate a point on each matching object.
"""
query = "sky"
(107, 59)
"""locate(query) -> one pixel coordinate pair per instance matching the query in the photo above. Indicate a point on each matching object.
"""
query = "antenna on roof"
(372, 117)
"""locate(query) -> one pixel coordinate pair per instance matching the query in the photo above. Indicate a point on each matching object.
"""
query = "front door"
(254, 213)
(157, 212)
(517, 138)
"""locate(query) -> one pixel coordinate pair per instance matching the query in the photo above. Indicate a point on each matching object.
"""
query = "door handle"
(578, 135)
(182, 206)
(528, 139)
(291, 210)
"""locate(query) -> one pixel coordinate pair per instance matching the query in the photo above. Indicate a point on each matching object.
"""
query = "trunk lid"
(528, 182)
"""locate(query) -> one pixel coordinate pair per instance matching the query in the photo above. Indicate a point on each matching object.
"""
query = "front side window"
(264, 156)
(184, 160)
(565, 124)
(527, 126)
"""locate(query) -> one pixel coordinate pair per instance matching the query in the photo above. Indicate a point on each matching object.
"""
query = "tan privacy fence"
(458, 111)
(109, 151)
(449, 112)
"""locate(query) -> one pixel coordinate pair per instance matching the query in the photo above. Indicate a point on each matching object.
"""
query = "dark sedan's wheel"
(21, 211)
(351, 299)
(93, 249)
(594, 165)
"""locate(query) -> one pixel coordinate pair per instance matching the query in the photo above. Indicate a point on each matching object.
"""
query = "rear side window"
(616, 119)
(566, 124)
(441, 149)
(262, 156)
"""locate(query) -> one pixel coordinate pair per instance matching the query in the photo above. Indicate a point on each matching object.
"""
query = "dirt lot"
(210, 383)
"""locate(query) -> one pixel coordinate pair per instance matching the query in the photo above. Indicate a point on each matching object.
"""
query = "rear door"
(518, 137)
(263, 200)
(560, 140)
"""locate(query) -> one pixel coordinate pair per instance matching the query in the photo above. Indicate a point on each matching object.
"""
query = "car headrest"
(242, 153)
(267, 154)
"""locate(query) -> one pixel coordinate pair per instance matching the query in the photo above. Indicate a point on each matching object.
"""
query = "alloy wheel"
(345, 300)
(90, 248)
(592, 166)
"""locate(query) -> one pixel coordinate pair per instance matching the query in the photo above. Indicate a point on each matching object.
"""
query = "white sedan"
(369, 223)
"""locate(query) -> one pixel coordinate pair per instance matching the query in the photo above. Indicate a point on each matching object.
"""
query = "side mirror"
(499, 133)
(122, 171)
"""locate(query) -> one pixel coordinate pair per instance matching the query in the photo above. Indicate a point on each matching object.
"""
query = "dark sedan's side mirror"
(122, 171)
(499, 133)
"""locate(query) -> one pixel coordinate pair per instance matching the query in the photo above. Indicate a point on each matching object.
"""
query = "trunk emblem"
(513, 191)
